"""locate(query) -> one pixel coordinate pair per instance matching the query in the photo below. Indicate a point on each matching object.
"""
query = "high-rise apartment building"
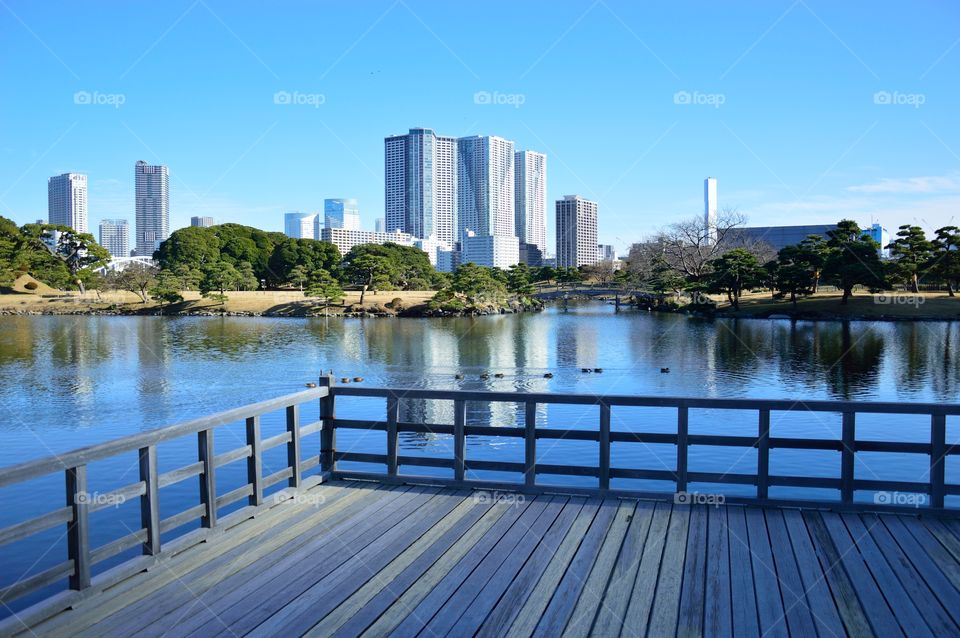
(341, 213)
(421, 184)
(710, 207)
(152, 207)
(530, 195)
(605, 252)
(380, 225)
(485, 185)
(115, 237)
(67, 201)
(201, 222)
(297, 225)
(576, 232)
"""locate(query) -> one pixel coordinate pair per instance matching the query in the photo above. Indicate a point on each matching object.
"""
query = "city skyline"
(871, 139)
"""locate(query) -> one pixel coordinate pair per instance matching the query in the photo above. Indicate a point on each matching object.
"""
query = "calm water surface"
(66, 382)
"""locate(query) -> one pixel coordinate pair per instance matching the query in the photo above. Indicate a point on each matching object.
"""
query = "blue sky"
(805, 111)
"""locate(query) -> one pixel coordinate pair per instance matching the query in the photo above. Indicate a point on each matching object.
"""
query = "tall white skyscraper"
(67, 201)
(421, 184)
(485, 186)
(152, 207)
(115, 237)
(341, 213)
(530, 194)
(576, 232)
(710, 207)
(297, 225)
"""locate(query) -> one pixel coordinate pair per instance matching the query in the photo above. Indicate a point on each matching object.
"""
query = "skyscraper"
(341, 213)
(380, 225)
(530, 194)
(201, 222)
(421, 184)
(152, 207)
(297, 225)
(67, 201)
(710, 207)
(576, 232)
(115, 237)
(485, 186)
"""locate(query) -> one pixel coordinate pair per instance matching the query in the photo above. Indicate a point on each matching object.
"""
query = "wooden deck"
(357, 558)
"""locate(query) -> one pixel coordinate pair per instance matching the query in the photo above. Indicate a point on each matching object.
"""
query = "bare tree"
(137, 278)
(689, 246)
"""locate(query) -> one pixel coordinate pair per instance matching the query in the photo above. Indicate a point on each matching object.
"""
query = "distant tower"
(710, 207)
(201, 222)
(115, 237)
(576, 232)
(152, 207)
(67, 201)
(341, 213)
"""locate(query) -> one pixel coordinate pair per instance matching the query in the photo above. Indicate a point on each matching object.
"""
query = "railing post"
(208, 483)
(459, 439)
(150, 500)
(848, 441)
(78, 530)
(938, 449)
(604, 446)
(763, 455)
(393, 415)
(530, 445)
(683, 414)
(328, 431)
(293, 445)
(254, 461)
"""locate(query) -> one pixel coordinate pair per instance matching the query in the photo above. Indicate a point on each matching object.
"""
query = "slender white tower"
(710, 207)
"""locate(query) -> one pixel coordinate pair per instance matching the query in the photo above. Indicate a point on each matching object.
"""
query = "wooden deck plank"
(595, 588)
(435, 602)
(718, 614)
(265, 593)
(942, 532)
(882, 619)
(303, 611)
(693, 594)
(466, 556)
(923, 549)
(430, 546)
(770, 609)
(480, 585)
(609, 621)
(666, 603)
(815, 584)
(798, 610)
(501, 585)
(928, 602)
(644, 588)
(565, 596)
(743, 595)
(527, 617)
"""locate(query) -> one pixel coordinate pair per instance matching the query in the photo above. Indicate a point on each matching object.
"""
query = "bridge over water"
(388, 551)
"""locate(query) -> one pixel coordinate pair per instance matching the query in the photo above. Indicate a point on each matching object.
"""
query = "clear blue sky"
(797, 138)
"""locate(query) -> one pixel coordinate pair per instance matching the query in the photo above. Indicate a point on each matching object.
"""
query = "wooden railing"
(73, 465)
(933, 485)
(79, 504)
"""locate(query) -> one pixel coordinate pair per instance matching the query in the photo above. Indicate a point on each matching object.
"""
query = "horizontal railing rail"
(75, 515)
(933, 485)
